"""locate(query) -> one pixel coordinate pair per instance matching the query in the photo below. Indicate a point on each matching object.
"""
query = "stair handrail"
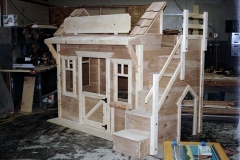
(157, 103)
(169, 85)
(149, 95)
(156, 106)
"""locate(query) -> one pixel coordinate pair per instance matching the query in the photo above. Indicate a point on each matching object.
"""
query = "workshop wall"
(28, 13)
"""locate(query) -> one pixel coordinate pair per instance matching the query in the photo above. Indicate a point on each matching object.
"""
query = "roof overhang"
(94, 39)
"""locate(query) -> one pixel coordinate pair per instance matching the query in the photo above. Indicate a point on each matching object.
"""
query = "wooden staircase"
(135, 139)
(140, 136)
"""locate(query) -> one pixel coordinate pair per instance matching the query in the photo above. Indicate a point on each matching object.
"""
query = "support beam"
(185, 31)
(53, 51)
(139, 74)
(59, 82)
(133, 56)
(154, 117)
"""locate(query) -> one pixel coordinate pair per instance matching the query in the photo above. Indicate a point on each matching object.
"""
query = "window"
(122, 80)
(69, 75)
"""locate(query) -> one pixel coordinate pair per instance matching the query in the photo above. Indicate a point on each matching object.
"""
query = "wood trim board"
(28, 92)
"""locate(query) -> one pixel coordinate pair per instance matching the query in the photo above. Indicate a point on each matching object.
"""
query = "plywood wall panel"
(137, 122)
(172, 98)
(192, 64)
(121, 52)
(167, 128)
(170, 109)
(169, 40)
(151, 39)
(178, 87)
(119, 119)
(192, 74)
(69, 108)
(152, 47)
(194, 44)
(161, 62)
(193, 55)
(153, 54)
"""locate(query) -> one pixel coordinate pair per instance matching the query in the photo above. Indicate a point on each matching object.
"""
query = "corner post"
(154, 117)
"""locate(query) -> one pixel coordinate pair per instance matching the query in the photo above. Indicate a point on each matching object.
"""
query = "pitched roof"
(148, 18)
(94, 39)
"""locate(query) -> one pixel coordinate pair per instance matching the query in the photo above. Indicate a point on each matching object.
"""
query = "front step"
(138, 119)
(132, 142)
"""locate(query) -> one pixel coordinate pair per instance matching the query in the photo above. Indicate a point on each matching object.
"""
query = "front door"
(94, 110)
(94, 87)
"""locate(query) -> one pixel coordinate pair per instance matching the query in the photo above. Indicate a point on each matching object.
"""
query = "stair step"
(139, 112)
(138, 119)
(133, 134)
(135, 143)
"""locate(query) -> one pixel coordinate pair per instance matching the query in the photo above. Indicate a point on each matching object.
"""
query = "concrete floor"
(30, 136)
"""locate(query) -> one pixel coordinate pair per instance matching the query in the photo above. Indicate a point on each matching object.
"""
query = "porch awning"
(94, 39)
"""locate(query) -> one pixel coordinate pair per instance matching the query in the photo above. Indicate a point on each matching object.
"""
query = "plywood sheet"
(28, 92)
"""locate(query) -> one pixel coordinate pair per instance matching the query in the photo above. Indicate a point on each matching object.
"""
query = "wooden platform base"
(82, 128)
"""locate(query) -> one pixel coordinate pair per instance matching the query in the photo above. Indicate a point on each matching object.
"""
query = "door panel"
(94, 108)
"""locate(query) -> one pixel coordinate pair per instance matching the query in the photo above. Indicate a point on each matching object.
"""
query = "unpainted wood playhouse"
(128, 87)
